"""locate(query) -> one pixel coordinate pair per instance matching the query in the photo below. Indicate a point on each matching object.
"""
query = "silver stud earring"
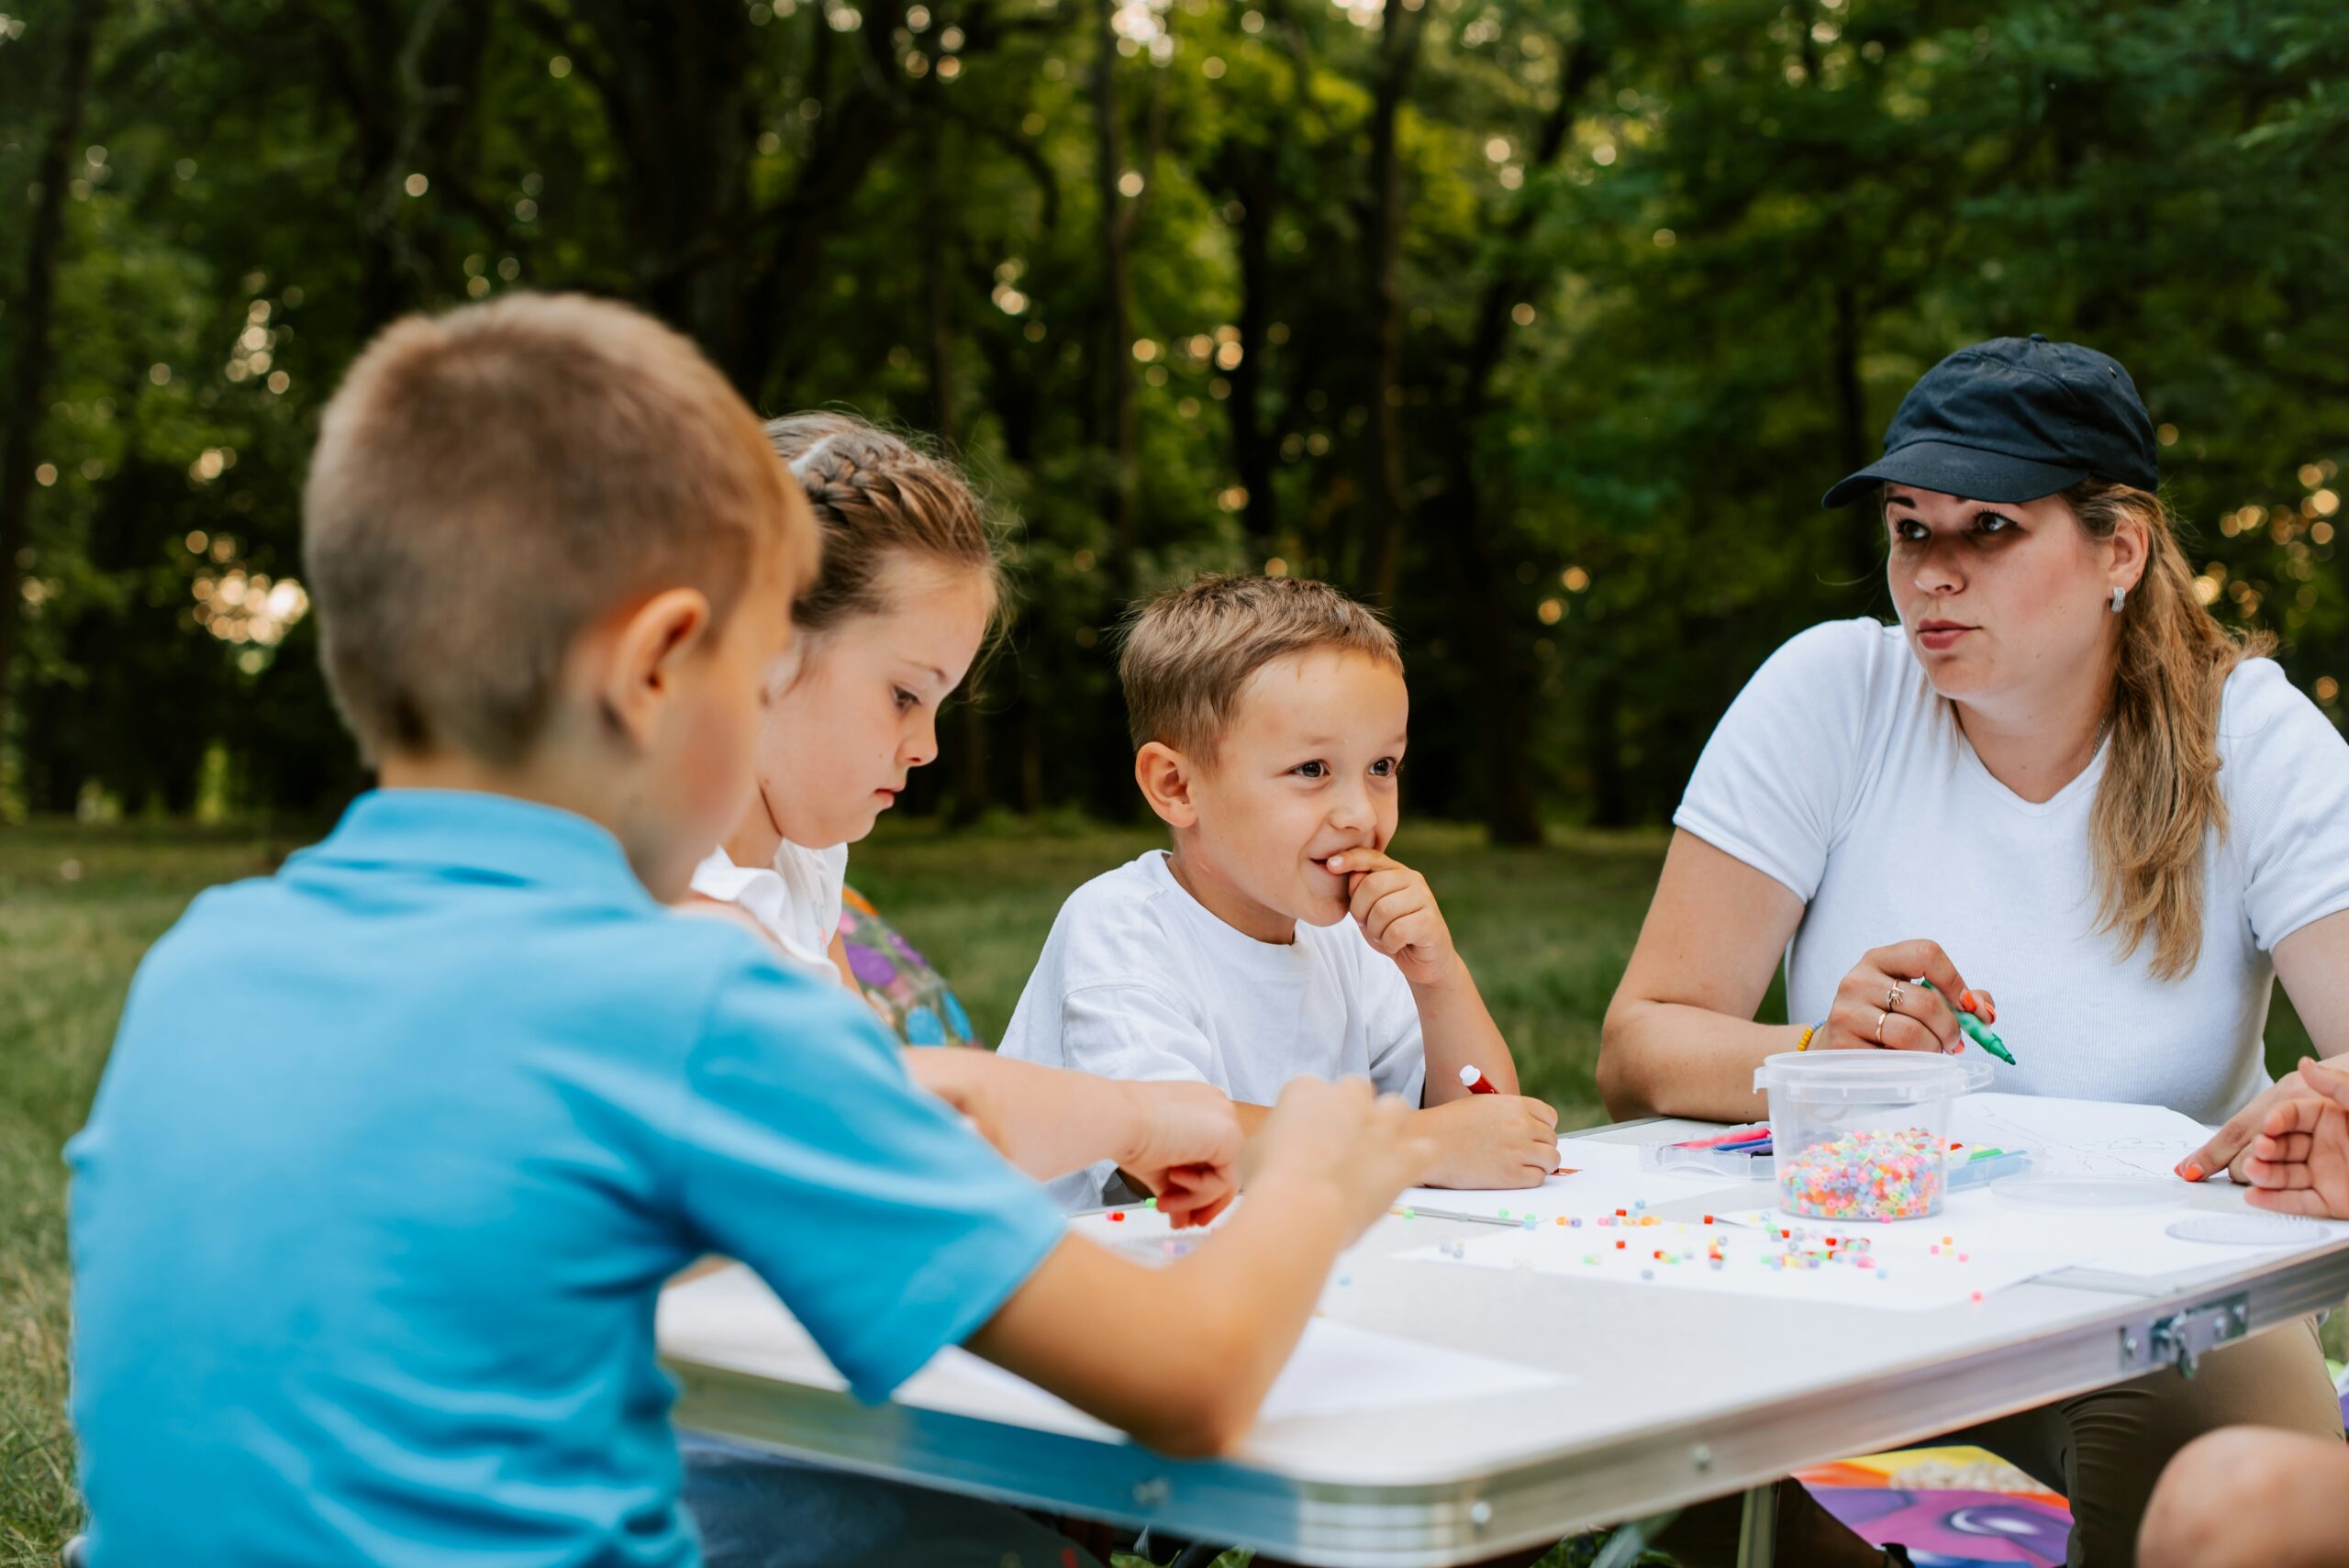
(2119, 598)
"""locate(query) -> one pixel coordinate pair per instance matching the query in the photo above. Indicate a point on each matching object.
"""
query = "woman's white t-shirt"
(1839, 772)
(796, 901)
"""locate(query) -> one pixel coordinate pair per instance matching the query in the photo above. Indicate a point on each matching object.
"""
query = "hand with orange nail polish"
(1879, 1005)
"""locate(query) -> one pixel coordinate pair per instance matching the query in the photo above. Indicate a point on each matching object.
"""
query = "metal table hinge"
(2183, 1339)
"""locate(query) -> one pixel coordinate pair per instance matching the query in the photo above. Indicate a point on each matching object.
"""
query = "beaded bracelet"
(1809, 1034)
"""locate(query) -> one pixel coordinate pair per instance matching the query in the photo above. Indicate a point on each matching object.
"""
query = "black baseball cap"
(2013, 420)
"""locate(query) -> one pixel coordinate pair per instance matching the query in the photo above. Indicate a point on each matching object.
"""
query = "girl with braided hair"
(909, 588)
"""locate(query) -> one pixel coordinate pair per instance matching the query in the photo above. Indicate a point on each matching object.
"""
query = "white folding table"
(1675, 1397)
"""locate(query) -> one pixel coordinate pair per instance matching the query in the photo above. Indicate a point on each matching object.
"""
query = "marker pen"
(1980, 1036)
(1754, 1132)
(1475, 1082)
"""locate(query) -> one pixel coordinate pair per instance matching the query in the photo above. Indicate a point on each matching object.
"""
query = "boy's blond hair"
(1187, 653)
(490, 483)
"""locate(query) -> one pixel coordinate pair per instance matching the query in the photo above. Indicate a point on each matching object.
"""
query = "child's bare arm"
(1398, 914)
(1218, 1324)
(1181, 1140)
(1483, 1140)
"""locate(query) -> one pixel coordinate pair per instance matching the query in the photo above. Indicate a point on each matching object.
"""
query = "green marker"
(1979, 1034)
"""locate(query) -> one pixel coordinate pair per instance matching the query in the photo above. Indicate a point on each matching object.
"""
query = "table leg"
(1757, 1532)
(1629, 1540)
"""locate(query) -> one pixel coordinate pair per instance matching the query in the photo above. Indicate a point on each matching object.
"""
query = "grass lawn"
(1548, 931)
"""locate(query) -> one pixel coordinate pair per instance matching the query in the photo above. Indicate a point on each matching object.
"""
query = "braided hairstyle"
(877, 495)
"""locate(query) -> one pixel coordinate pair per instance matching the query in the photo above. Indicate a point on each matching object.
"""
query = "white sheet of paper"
(1606, 1176)
(1910, 1268)
(2080, 1138)
(731, 1318)
(2124, 1241)
(1338, 1370)
(1144, 1234)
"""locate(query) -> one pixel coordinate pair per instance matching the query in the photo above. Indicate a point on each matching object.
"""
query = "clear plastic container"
(1862, 1134)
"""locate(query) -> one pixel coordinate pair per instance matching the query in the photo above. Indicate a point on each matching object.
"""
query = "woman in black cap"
(2057, 777)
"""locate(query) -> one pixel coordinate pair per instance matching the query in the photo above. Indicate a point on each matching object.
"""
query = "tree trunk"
(1383, 481)
(1032, 758)
(1479, 590)
(35, 304)
(971, 796)
(676, 87)
(1251, 443)
(1854, 446)
(1504, 708)
(1113, 358)
(1610, 784)
(675, 80)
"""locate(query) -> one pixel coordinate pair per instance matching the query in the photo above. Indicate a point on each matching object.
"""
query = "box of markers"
(1744, 1154)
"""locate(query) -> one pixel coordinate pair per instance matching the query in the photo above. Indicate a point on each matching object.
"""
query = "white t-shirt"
(796, 902)
(1841, 773)
(1139, 980)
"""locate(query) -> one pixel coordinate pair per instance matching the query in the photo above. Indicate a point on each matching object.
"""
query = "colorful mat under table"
(1952, 1508)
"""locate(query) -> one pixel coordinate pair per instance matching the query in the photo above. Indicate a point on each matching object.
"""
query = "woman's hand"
(1879, 1005)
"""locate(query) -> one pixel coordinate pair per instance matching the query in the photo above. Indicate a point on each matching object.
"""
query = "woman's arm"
(2313, 965)
(1680, 1037)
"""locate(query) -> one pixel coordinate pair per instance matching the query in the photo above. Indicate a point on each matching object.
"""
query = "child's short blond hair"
(1187, 653)
(489, 482)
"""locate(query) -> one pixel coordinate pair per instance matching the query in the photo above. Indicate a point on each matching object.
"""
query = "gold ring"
(1880, 1016)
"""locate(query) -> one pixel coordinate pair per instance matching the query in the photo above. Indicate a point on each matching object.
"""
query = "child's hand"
(1492, 1140)
(1397, 910)
(2299, 1161)
(1362, 1148)
(1187, 1149)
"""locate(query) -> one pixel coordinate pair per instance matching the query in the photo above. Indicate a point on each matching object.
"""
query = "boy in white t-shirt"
(1277, 939)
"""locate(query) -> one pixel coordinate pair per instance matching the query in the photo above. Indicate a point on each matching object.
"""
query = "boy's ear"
(648, 646)
(1164, 777)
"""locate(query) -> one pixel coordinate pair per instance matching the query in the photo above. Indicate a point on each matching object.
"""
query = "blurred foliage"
(1543, 321)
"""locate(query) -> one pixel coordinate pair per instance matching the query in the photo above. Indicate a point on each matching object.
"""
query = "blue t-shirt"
(392, 1156)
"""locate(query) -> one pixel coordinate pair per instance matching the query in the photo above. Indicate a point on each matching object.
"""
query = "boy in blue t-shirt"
(396, 1147)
